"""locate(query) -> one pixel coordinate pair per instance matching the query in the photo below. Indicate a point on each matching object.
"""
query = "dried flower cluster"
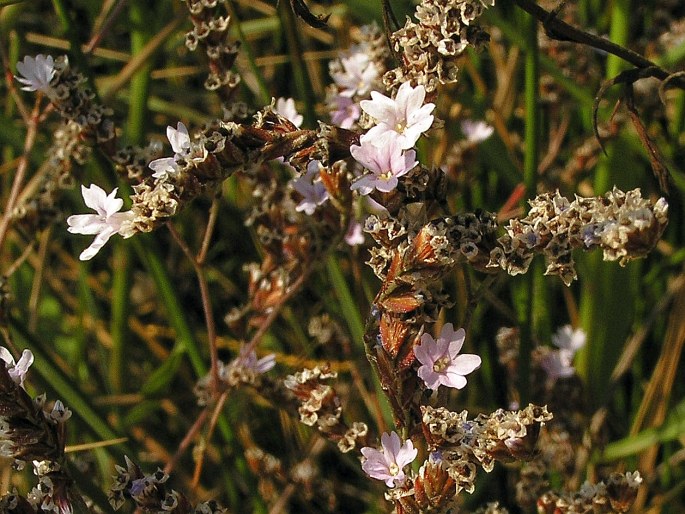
(624, 225)
(430, 47)
(320, 406)
(150, 493)
(616, 495)
(210, 32)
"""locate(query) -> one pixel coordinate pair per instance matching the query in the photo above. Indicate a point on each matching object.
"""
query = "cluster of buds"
(430, 47)
(464, 445)
(27, 431)
(616, 495)
(30, 432)
(623, 224)
(151, 494)
(320, 406)
(210, 32)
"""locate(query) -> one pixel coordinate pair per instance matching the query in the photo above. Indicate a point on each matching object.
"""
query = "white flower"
(36, 73)
(107, 222)
(359, 75)
(286, 108)
(405, 116)
(180, 144)
(476, 131)
(386, 163)
(311, 188)
(566, 338)
(386, 464)
(17, 370)
(440, 359)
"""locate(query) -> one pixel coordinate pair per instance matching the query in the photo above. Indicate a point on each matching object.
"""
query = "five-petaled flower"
(180, 144)
(17, 370)
(311, 188)
(386, 163)
(358, 75)
(107, 222)
(386, 464)
(405, 117)
(37, 73)
(440, 359)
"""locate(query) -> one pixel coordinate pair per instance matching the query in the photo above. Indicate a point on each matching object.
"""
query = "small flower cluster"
(210, 31)
(244, 369)
(429, 48)
(385, 150)
(27, 431)
(319, 405)
(355, 73)
(623, 224)
(466, 444)
(151, 494)
(616, 495)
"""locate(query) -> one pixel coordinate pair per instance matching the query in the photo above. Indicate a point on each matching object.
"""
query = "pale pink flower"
(440, 359)
(386, 464)
(286, 108)
(476, 131)
(311, 188)
(346, 112)
(107, 222)
(17, 370)
(358, 75)
(355, 234)
(386, 163)
(180, 144)
(37, 73)
(405, 116)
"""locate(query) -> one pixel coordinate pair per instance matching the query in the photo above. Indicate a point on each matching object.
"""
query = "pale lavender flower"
(354, 235)
(359, 75)
(440, 359)
(17, 370)
(385, 163)
(558, 364)
(566, 338)
(107, 222)
(386, 464)
(476, 131)
(311, 188)
(346, 112)
(286, 108)
(36, 73)
(180, 144)
(248, 360)
(405, 116)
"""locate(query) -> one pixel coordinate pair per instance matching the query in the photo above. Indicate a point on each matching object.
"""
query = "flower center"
(393, 469)
(441, 364)
(386, 175)
(400, 126)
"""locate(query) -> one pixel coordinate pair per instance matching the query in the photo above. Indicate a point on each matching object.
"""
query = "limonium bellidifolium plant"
(408, 257)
